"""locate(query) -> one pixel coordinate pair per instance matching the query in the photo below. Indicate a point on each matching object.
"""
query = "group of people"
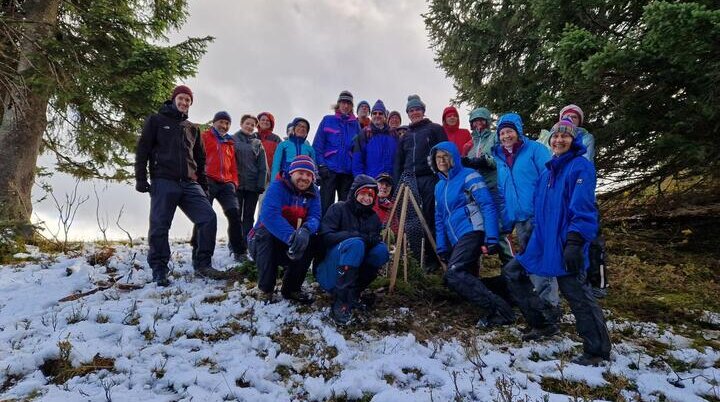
(474, 188)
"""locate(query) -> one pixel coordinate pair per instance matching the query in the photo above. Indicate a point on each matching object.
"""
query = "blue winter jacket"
(283, 204)
(516, 186)
(286, 151)
(463, 202)
(374, 151)
(333, 142)
(564, 202)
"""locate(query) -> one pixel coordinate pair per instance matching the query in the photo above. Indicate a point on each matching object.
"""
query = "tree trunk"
(24, 117)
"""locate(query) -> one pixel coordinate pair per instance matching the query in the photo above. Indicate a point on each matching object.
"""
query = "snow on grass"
(209, 340)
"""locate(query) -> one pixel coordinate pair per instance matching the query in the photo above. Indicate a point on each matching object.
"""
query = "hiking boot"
(241, 258)
(162, 282)
(493, 321)
(587, 360)
(364, 303)
(211, 273)
(266, 297)
(341, 313)
(298, 297)
(538, 334)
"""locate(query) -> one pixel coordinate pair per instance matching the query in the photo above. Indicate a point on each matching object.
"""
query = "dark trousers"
(225, 194)
(248, 202)
(269, 253)
(459, 276)
(334, 183)
(589, 319)
(426, 189)
(165, 197)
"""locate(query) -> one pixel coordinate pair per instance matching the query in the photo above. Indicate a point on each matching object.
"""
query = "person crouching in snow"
(351, 232)
(465, 222)
(565, 223)
(289, 216)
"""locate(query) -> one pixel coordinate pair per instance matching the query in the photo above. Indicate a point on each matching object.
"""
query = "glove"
(491, 248)
(370, 240)
(261, 190)
(444, 256)
(142, 186)
(573, 253)
(298, 243)
(324, 172)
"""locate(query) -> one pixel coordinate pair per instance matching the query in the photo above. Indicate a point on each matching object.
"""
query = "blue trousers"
(349, 268)
(165, 197)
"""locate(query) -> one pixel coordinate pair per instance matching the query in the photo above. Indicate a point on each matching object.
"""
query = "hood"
(269, 116)
(361, 180)
(449, 110)
(450, 148)
(168, 109)
(294, 123)
(515, 120)
(480, 113)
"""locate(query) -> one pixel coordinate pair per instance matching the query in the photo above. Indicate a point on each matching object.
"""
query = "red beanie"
(182, 89)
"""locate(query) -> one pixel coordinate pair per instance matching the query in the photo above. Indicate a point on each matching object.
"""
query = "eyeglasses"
(378, 114)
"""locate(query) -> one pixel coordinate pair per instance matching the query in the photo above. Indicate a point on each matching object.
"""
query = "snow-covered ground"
(207, 340)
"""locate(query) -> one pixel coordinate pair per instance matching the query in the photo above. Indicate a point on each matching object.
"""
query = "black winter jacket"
(414, 148)
(251, 162)
(346, 219)
(173, 147)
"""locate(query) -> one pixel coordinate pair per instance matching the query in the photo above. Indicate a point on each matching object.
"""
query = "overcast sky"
(291, 58)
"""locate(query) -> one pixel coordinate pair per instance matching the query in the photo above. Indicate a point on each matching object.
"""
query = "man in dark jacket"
(289, 216)
(333, 145)
(176, 154)
(412, 167)
(351, 233)
(252, 172)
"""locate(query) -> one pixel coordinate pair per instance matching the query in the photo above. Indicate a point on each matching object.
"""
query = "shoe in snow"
(211, 273)
(538, 334)
(341, 314)
(587, 360)
(298, 297)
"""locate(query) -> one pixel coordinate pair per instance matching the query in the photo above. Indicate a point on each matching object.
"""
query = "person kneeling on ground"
(465, 222)
(289, 216)
(565, 223)
(351, 232)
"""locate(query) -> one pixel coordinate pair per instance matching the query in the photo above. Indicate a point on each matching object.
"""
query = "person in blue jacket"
(333, 145)
(565, 223)
(374, 150)
(350, 231)
(289, 216)
(295, 145)
(520, 161)
(466, 222)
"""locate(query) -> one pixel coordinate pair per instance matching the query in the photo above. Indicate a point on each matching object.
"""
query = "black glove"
(324, 172)
(142, 185)
(261, 190)
(471, 163)
(444, 256)
(491, 248)
(299, 242)
(573, 253)
(370, 240)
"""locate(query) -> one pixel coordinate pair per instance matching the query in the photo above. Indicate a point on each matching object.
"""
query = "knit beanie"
(413, 102)
(509, 124)
(364, 102)
(182, 89)
(379, 106)
(395, 113)
(574, 109)
(345, 96)
(302, 162)
(222, 115)
(564, 126)
(385, 178)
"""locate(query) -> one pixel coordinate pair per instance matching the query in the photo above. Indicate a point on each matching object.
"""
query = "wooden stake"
(405, 259)
(400, 235)
(388, 225)
(426, 228)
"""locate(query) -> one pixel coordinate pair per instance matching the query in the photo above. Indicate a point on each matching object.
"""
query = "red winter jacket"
(220, 158)
(456, 135)
(269, 140)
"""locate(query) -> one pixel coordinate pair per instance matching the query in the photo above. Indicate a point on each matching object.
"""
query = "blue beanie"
(413, 102)
(222, 115)
(507, 124)
(362, 103)
(379, 106)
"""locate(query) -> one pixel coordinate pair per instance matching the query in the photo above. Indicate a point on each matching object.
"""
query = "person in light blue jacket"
(295, 145)
(520, 161)
(466, 223)
(566, 221)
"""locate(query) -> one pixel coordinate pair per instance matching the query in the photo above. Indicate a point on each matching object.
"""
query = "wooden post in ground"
(405, 259)
(426, 228)
(399, 237)
(388, 225)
